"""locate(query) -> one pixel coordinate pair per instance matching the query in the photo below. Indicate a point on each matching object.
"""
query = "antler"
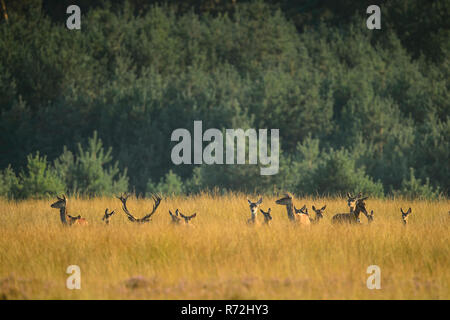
(157, 200)
(123, 198)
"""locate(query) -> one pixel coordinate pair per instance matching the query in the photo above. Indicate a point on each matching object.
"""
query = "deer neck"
(290, 211)
(63, 215)
(253, 217)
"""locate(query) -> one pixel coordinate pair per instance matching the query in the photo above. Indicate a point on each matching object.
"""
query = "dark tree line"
(358, 109)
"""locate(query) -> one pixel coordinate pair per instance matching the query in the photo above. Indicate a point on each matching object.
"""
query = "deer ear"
(409, 211)
(349, 195)
(323, 208)
(259, 201)
(249, 202)
(401, 209)
(270, 209)
(303, 208)
(314, 208)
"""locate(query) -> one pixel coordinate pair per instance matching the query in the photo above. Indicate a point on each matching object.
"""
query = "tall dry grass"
(222, 257)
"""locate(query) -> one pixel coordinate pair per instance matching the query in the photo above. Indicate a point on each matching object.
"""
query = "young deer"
(175, 218)
(405, 215)
(300, 218)
(67, 219)
(253, 209)
(319, 214)
(187, 219)
(356, 205)
(302, 215)
(107, 216)
(267, 216)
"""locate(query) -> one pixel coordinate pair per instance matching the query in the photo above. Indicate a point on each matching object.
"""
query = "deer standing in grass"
(356, 205)
(300, 216)
(405, 216)
(64, 215)
(146, 218)
(254, 210)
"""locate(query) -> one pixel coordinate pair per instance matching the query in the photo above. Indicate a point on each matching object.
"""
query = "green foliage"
(87, 173)
(336, 173)
(39, 180)
(367, 104)
(9, 183)
(413, 188)
(171, 184)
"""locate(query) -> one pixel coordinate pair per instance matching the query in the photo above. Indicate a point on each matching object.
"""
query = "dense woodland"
(91, 111)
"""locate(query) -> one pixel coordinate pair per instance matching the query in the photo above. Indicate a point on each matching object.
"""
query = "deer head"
(267, 215)
(254, 206)
(302, 210)
(175, 218)
(405, 215)
(319, 212)
(187, 219)
(107, 215)
(61, 203)
(286, 200)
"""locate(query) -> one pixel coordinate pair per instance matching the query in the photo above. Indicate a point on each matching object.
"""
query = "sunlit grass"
(221, 257)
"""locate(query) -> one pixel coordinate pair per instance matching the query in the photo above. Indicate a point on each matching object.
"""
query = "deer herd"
(300, 216)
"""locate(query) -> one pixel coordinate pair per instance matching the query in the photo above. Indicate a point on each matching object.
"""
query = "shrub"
(170, 184)
(39, 180)
(86, 172)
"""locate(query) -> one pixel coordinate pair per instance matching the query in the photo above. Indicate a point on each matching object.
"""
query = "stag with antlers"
(123, 198)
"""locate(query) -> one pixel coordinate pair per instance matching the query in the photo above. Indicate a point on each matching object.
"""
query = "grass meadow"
(221, 257)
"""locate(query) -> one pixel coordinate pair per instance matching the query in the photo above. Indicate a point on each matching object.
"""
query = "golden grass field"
(222, 257)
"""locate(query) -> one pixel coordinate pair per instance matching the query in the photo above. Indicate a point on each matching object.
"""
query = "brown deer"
(175, 218)
(123, 198)
(302, 215)
(267, 216)
(107, 216)
(187, 219)
(405, 216)
(253, 209)
(356, 205)
(67, 219)
(319, 214)
(287, 201)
